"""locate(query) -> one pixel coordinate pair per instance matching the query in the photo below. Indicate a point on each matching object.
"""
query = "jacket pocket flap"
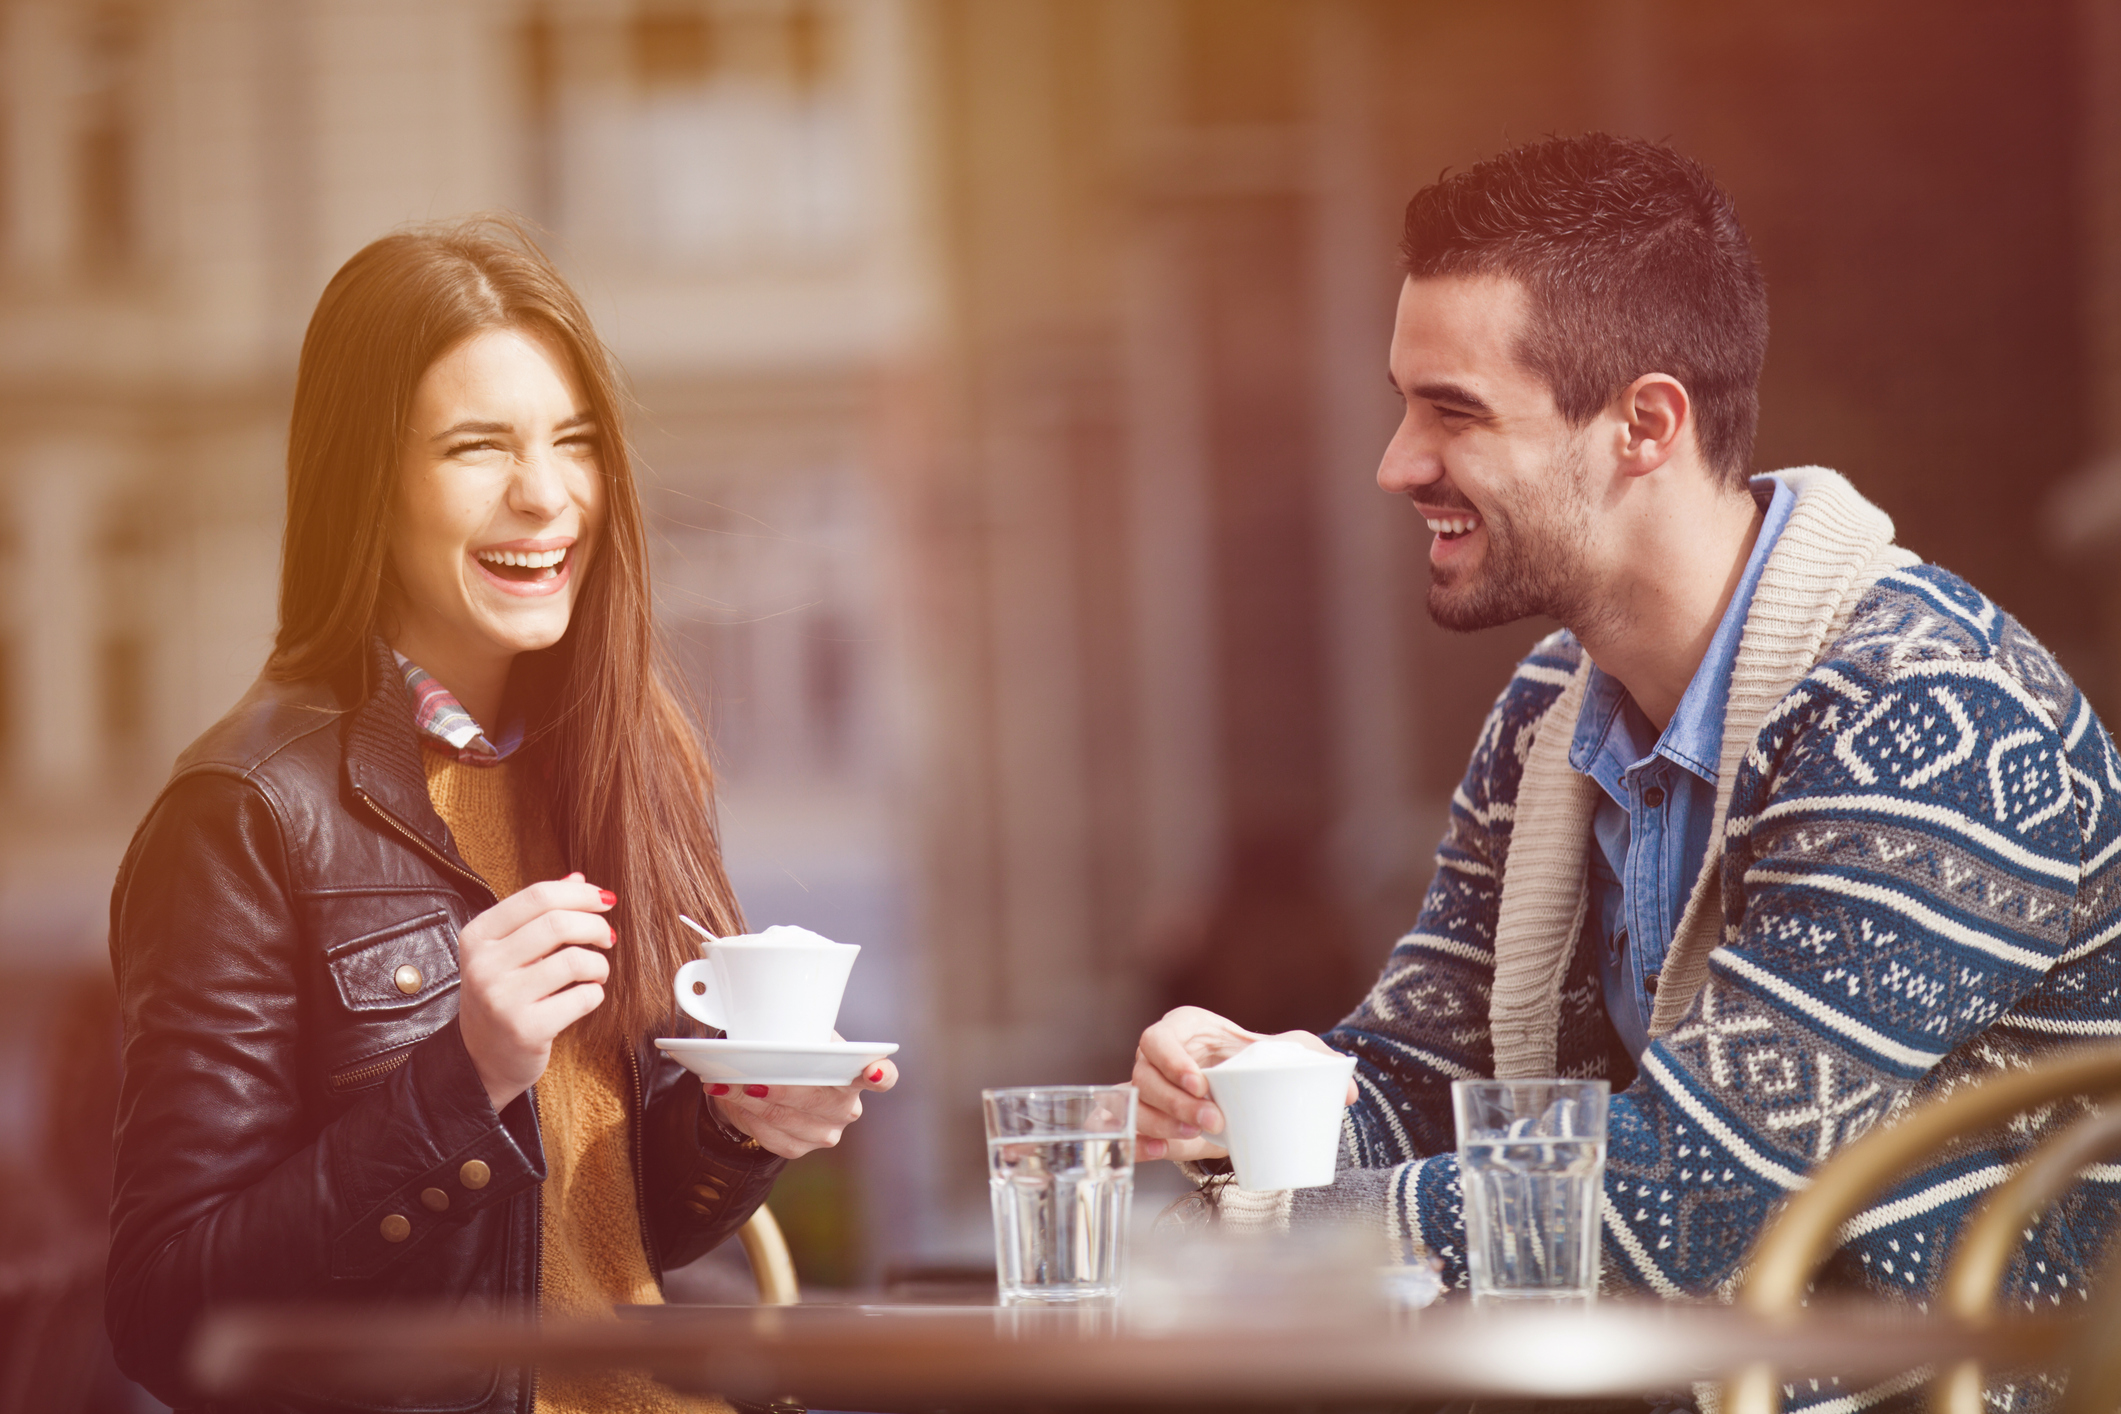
(402, 965)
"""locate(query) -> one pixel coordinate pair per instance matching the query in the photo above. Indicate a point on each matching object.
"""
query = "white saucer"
(775, 1062)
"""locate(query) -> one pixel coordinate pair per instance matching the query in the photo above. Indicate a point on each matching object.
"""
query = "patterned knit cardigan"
(1915, 880)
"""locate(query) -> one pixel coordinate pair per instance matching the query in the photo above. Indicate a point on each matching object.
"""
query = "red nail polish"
(613, 931)
(608, 897)
(718, 1090)
(756, 1092)
(876, 1075)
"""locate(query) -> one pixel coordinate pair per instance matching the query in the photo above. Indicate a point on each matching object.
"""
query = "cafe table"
(930, 1357)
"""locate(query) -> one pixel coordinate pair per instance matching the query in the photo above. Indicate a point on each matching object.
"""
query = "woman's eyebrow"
(489, 429)
(465, 429)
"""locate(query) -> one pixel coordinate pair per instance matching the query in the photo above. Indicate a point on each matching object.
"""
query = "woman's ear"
(1658, 413)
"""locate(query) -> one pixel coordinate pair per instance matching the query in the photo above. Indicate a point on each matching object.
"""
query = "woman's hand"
(791, 1120)
(1174, 1110)
(530, 967)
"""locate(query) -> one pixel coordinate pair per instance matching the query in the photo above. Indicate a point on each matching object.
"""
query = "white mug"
(1281, 1106)
(780, 985)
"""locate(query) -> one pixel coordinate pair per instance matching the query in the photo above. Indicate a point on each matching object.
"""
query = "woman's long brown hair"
(629, 785)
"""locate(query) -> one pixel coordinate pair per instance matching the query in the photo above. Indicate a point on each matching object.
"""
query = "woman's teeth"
(1451, 527)
(530, 564)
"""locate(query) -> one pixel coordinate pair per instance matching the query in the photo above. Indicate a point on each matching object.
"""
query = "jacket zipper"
(422, 845)
(537, 1198)
(640, 1149)
(537, 1270)
(347, 1080)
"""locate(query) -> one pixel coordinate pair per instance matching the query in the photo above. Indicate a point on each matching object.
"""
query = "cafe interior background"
(1010, 378)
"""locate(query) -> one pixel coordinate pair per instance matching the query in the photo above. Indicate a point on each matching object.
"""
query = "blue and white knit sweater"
(1916, 881)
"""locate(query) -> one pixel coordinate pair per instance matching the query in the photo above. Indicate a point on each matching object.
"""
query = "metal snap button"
(397, 1227)
(409, 979)
(474, 1174)
(436, 1200)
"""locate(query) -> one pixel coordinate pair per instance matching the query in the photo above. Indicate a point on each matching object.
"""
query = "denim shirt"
(1651, 827)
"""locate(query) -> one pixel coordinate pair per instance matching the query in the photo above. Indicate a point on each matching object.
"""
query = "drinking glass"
(1060, 1171)
(1531, 1161)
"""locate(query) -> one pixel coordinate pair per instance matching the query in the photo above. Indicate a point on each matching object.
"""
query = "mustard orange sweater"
(595, 1254)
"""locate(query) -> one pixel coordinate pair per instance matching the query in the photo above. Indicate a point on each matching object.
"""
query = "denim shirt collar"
(1609, 727)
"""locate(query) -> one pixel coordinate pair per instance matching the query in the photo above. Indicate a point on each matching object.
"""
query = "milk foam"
(1272, 1054)
(786, 935)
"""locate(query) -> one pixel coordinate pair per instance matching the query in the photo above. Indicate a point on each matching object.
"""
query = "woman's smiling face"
(500, 498)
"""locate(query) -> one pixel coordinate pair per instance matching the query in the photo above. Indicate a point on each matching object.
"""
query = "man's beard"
(1536, 560)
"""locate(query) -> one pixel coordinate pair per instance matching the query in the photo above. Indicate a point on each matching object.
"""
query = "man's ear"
(1658, 414)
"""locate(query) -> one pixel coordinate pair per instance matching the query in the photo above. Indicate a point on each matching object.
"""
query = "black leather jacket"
(294, 1125)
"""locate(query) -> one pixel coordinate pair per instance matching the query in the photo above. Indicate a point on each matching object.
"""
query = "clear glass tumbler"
(1531, 1160)
(1060, 1170)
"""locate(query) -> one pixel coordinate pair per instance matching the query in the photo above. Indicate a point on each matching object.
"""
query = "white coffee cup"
(1281, 1106)
(780, 985)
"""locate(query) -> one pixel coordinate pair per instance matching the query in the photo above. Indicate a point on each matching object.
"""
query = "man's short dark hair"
(1635, 263)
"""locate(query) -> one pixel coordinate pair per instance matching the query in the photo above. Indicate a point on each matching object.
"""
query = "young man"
(1786, 831)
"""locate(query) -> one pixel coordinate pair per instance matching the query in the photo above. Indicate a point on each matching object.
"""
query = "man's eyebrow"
(1457, 395)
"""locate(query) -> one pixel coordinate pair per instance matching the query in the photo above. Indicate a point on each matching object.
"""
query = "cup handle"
(697, 996)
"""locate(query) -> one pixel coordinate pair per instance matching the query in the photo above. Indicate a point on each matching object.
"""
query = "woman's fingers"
(793, 1120)
(526, 905)
(563, 1009)
(560, 970)
(880, 1076)
(531, 966)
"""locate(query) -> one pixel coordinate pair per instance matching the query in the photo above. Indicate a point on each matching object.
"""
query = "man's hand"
(791, 1120)
(1175, 1111)
(528, 968)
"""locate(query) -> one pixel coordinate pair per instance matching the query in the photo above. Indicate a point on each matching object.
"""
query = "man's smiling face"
(1499, 476)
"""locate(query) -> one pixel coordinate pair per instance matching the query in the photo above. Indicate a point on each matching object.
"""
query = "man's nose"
(1409, 463)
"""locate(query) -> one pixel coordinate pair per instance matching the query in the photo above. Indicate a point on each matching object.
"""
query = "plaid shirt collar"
(436, 713)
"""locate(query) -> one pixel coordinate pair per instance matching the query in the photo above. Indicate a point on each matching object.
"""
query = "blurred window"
(10, 657)
(541, 82)
(124, 673)
(829, 682)
(107, 139)
(718, 134)
(126, 561)
(770, 595)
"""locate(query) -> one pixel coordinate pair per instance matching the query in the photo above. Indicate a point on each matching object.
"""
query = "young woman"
(393, 941)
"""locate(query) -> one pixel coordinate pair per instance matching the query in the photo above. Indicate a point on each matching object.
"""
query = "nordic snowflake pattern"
(1921, 885)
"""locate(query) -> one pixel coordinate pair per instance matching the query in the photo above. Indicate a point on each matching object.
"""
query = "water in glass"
(1061, 1204)
(1532, 1218)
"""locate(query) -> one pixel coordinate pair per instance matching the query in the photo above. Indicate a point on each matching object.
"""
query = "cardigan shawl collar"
(1834, 549)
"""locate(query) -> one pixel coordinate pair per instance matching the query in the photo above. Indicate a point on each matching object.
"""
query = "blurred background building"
(1010, 380)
